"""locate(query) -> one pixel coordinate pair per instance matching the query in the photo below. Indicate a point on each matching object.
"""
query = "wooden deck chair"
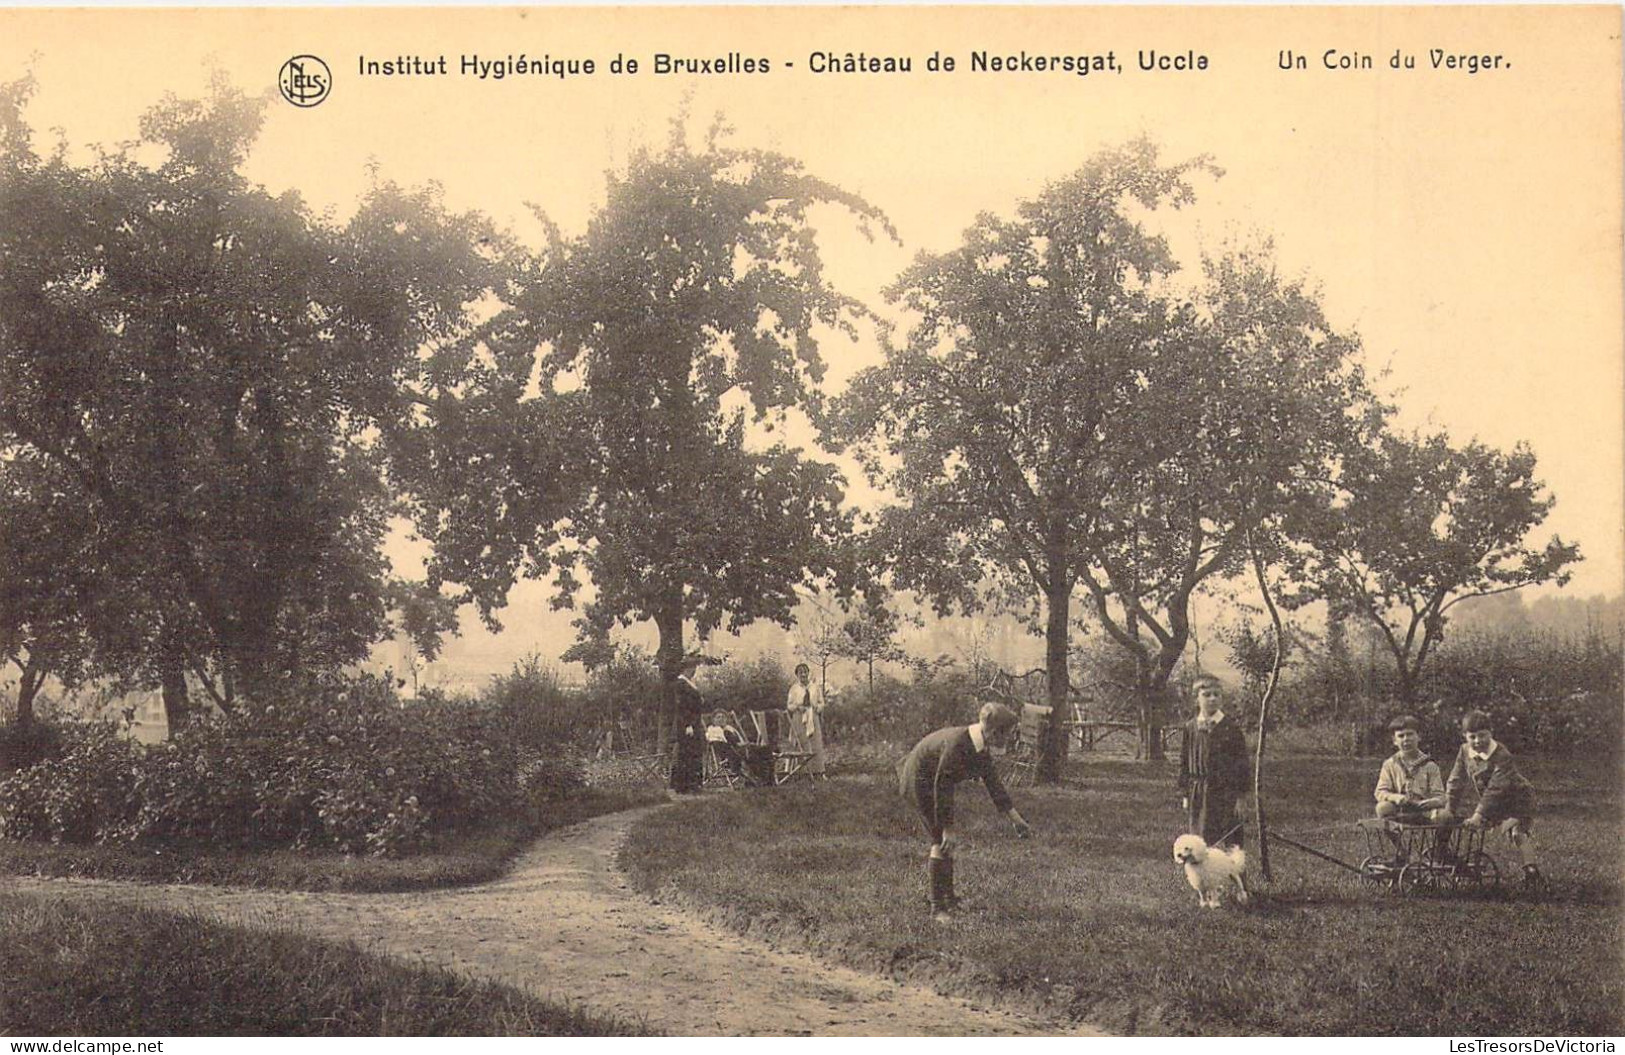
(722, 767)
(725, 761)
(1019, 766)
(775, 729)
(645, 766)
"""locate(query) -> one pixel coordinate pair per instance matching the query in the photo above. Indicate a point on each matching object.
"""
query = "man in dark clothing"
(1213, 768)
(927, 778)
(688, 729)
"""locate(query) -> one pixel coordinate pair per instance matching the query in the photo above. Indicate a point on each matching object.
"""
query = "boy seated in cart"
(1506, 799)
(1409, 788)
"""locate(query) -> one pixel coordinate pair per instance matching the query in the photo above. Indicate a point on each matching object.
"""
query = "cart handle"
(1309, 850)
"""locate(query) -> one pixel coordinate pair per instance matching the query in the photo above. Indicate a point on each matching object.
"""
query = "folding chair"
(1019, 766)
(645, 767)
(725, 762)
(774, 728)
(722, 766)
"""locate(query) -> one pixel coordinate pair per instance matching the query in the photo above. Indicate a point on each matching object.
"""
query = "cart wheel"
(1376, 871)
(1416, 878)
(1479, 872)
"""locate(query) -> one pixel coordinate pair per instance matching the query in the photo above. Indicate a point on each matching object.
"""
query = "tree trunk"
(669, 656)
(172, 676)
(1059, 602)
(1151, 708)
(27, 688)
(1260, 821)
(1407, 685)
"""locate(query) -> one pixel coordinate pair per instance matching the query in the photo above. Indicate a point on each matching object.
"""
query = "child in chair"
(1409, 787)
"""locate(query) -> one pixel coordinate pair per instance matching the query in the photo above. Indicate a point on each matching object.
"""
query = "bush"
(23, 745)
(540, 711)
(624, 696)
(342, 764)
(82, 795)
(901, 712)
(548, 780)
(760, 684)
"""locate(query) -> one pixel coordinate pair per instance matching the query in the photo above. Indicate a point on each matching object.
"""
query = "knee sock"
(941, 872)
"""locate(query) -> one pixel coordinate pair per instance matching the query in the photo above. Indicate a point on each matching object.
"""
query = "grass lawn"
(454, 860)
(1092, 920)
(83, 969)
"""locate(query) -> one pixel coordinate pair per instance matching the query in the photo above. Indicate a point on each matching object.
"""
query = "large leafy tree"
(202, 368)
(1247, 413)
(1419, 525)
(611, 426)
(1063, 417)
(46, 598)
(1002, 421)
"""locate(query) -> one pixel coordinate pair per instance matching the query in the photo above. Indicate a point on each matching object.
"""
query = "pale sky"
(1467, 225)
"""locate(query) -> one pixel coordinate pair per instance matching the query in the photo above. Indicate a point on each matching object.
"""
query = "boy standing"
(927, 778)
(1213, 768)
(1506, 799)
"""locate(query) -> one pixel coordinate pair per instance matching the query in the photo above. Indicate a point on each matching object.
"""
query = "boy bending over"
(927, 778)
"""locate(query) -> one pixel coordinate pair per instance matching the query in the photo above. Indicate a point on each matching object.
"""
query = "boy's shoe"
(942, 915)
(1533, 885)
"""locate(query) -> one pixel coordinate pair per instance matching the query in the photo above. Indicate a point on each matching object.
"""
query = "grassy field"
(470, 857)
(1092, 920)
(87, 970)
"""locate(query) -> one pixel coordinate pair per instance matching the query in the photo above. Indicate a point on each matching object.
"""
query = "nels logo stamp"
(305, 80)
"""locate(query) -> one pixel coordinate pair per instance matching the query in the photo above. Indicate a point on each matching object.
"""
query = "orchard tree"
(1420, 525)
(612, 424)
(46, 595)
(1246, 413)
(209, 366)
(1000, 422)
(868, 635)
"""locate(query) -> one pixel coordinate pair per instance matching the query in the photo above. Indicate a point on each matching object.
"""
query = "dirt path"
(564, 924)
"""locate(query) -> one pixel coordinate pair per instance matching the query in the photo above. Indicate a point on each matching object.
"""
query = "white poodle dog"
(1211, 869)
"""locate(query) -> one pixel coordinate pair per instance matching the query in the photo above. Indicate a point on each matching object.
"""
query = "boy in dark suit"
(927, 778)
(1506, 799)
(1213, 768)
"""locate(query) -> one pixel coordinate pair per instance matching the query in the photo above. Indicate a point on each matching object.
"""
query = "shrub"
(82, 795)
(340, 764)
(541, 713)
(22, 745)
(624, 696)
(760, 684)
(551, 779)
